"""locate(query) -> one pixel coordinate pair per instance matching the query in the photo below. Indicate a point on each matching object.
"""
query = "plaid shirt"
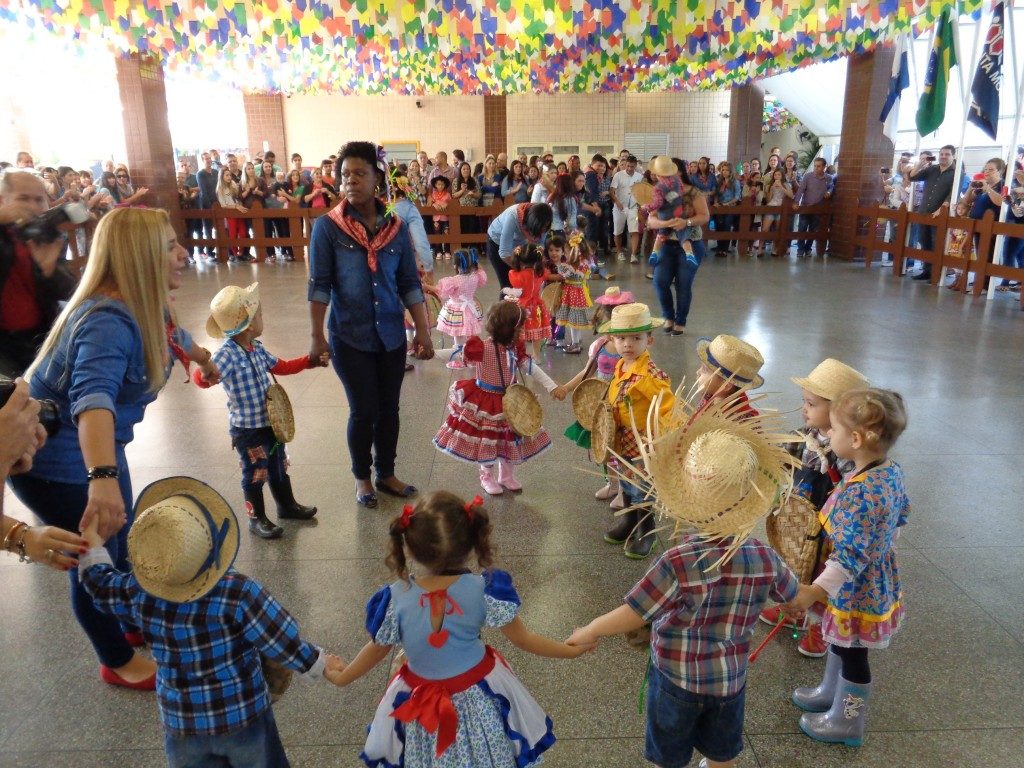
(209, 679)
(245, 382)
(702, 621)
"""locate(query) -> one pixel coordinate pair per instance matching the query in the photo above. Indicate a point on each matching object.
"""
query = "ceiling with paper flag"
(478, 46)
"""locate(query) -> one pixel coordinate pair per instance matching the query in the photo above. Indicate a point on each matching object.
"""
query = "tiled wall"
(264, 122)
(693, 121)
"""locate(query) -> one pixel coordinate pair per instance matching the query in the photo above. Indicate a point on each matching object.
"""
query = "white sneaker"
(619, 502)
(621, 256)
(607, 492)
(634, 260)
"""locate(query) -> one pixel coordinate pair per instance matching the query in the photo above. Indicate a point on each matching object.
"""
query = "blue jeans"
(673, 268)
(263, 457)
(808, 223)
(257, 745)
(1013, 248)
(62, 505)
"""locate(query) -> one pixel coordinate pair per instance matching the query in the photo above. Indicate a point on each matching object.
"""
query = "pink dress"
(461, 314)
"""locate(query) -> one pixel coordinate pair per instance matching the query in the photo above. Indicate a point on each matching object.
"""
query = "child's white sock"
(574, 335)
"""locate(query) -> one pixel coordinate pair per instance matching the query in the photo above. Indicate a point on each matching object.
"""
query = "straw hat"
(831, 378)
(551, 295)
(643, 192)
(231, 310)
(585, 399)
(631, 318)
(613, 296)
(663, 165)
(733, 358)
(184, 538)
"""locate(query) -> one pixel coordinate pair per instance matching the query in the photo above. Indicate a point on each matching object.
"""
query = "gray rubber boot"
(820, 699)
(844, 721)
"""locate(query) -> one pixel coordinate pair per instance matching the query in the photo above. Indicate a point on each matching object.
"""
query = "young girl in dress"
(861, 580)
(461, 316)
(457, 699)
(528, 276)
(960, 245)
(554, 254)
(572, 312)
(440, 199)
(475, 428)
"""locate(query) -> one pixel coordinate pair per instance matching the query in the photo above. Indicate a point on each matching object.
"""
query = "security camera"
(419, 104)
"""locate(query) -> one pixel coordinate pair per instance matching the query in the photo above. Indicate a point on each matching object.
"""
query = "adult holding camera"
(105, 359)
(32, 279)
(938, 191)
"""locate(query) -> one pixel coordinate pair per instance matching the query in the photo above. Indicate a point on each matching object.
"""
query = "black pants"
(855, 664)
(373, 384)
(724, 223)
(501, 269)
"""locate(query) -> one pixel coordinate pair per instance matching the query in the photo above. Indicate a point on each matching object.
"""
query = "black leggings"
(855, 664)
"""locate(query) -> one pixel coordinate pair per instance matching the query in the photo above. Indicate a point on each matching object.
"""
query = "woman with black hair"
(363, 265)
(519, 225)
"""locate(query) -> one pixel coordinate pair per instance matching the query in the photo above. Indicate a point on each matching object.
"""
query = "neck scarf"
(521, 210)
(357, 232)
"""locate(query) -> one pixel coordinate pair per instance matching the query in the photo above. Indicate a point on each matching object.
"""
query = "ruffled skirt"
(573, 309)
(848, 629)
(461, 317)
(537, 325)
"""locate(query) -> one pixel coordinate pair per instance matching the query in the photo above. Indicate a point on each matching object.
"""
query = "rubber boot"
(258, 521)
(623, 527)
(488, 481)
(641, 540)
(844, 721)
(507, 476)
(819, 699)
(287, 507)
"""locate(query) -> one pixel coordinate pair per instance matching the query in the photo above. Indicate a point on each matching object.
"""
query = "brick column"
(746, 117)
(863, 149)
(495, 125)
(147, 134)
(264, 122)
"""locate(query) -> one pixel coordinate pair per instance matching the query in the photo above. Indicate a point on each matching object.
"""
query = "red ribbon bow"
(406, 519)
(477, 501)
(431, 706)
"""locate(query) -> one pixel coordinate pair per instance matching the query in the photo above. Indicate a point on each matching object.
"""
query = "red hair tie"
(476, 502)
(407, 513)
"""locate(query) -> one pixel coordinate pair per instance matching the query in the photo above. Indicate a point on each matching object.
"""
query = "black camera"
(49, 414)
(977, 184)
(45, 228)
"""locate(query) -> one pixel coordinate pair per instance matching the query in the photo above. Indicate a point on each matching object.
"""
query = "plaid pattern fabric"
(702, 620)
(246, 383)
(623, 386)
(207, 652)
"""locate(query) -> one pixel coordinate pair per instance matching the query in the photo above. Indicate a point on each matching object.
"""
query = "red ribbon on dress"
(357, 232)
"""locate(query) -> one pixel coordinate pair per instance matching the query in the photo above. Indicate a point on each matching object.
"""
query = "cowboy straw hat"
(231, 310)
(663, 165)
(184, 538)
(613, 296)
(831, 378)
(631, 318)
(733, 358)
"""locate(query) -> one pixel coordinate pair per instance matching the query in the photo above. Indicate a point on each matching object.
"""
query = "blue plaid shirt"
(207, 652)
(702, 621)
(245, 382)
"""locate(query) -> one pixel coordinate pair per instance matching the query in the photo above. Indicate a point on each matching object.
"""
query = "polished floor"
(948, 692)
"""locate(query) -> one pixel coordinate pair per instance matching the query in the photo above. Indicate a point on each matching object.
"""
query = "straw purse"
(602, 433)
(585, 399)
(278, 407)
(794, 531)
(643, 192)
(521, 407)
(552, 296)
(278, 677)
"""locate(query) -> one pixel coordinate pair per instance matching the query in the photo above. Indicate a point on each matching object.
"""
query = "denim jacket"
(367, 308)
(506, 232)
(407, 211)
(98, 363)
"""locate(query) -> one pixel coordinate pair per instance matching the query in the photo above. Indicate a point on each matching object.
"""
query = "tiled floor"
(948, 692)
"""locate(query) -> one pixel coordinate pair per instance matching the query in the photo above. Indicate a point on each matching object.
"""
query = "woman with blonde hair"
(105, 359)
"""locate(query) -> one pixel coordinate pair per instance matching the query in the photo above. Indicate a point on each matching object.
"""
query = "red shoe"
(109, 676)
(812, 645)
(771, 616)
(134, 639)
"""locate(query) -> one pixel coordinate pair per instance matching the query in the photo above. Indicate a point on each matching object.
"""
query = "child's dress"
(440, 198)
(575, 296)
(475, 428)
(461, 314)
(862, 518)
(481, 715)
(607, 357)
(538, 319)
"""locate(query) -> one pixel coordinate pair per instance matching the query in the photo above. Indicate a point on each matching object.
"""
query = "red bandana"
(521, 210)
(357, 232)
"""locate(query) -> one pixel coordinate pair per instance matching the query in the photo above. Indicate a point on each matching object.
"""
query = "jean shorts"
(679, 721)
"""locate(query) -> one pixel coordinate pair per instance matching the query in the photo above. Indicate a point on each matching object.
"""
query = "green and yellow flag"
(931, 110)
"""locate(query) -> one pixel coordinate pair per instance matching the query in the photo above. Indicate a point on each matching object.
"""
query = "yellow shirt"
(632, 390)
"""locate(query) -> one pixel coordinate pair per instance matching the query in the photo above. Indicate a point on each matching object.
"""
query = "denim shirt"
(407, 211)
(98, 363)
(367, 308)
(505, 231)
(558, 224)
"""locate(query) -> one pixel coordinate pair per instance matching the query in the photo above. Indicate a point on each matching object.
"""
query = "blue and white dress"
(499, 724)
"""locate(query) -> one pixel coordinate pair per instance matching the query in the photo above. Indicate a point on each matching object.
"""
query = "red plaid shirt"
(702, 620)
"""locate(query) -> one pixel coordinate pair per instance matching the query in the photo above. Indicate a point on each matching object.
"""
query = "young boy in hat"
(703, 595)
(245, 365)
(729, 367)
(636, 383)
(206, 623)
(820, 470)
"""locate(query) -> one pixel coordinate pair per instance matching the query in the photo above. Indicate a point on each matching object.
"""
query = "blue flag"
(984, 111)
(899, 81)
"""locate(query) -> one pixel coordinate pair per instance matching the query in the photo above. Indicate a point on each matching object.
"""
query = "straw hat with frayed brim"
(734, 359)
(231, 310)
(631, 318)
(831, 379)
(663, 165)
(184, 538)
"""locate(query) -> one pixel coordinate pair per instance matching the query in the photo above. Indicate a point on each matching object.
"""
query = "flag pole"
(917, 135)
(957, 174)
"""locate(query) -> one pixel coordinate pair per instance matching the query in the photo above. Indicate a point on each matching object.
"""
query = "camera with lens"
(49, 414)
(45, 228)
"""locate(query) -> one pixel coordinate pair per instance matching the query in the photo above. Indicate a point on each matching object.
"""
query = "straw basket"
(552, 296)
(643, 192)
(278, 677)
(280, 414)
(522, 410)
(793, 531)
(602, 433)
(433, 308)
(585, 400)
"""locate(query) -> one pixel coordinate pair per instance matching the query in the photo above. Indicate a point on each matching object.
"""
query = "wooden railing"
(783, 233)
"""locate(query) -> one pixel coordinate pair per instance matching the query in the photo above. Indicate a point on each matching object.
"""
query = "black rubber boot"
(641, 541)
(624, 525)
(287, 507)
(258, 521)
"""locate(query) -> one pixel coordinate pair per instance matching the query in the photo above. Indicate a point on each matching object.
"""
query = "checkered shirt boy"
(244, 376)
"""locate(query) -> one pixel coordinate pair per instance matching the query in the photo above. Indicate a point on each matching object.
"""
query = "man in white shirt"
(624, 213)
